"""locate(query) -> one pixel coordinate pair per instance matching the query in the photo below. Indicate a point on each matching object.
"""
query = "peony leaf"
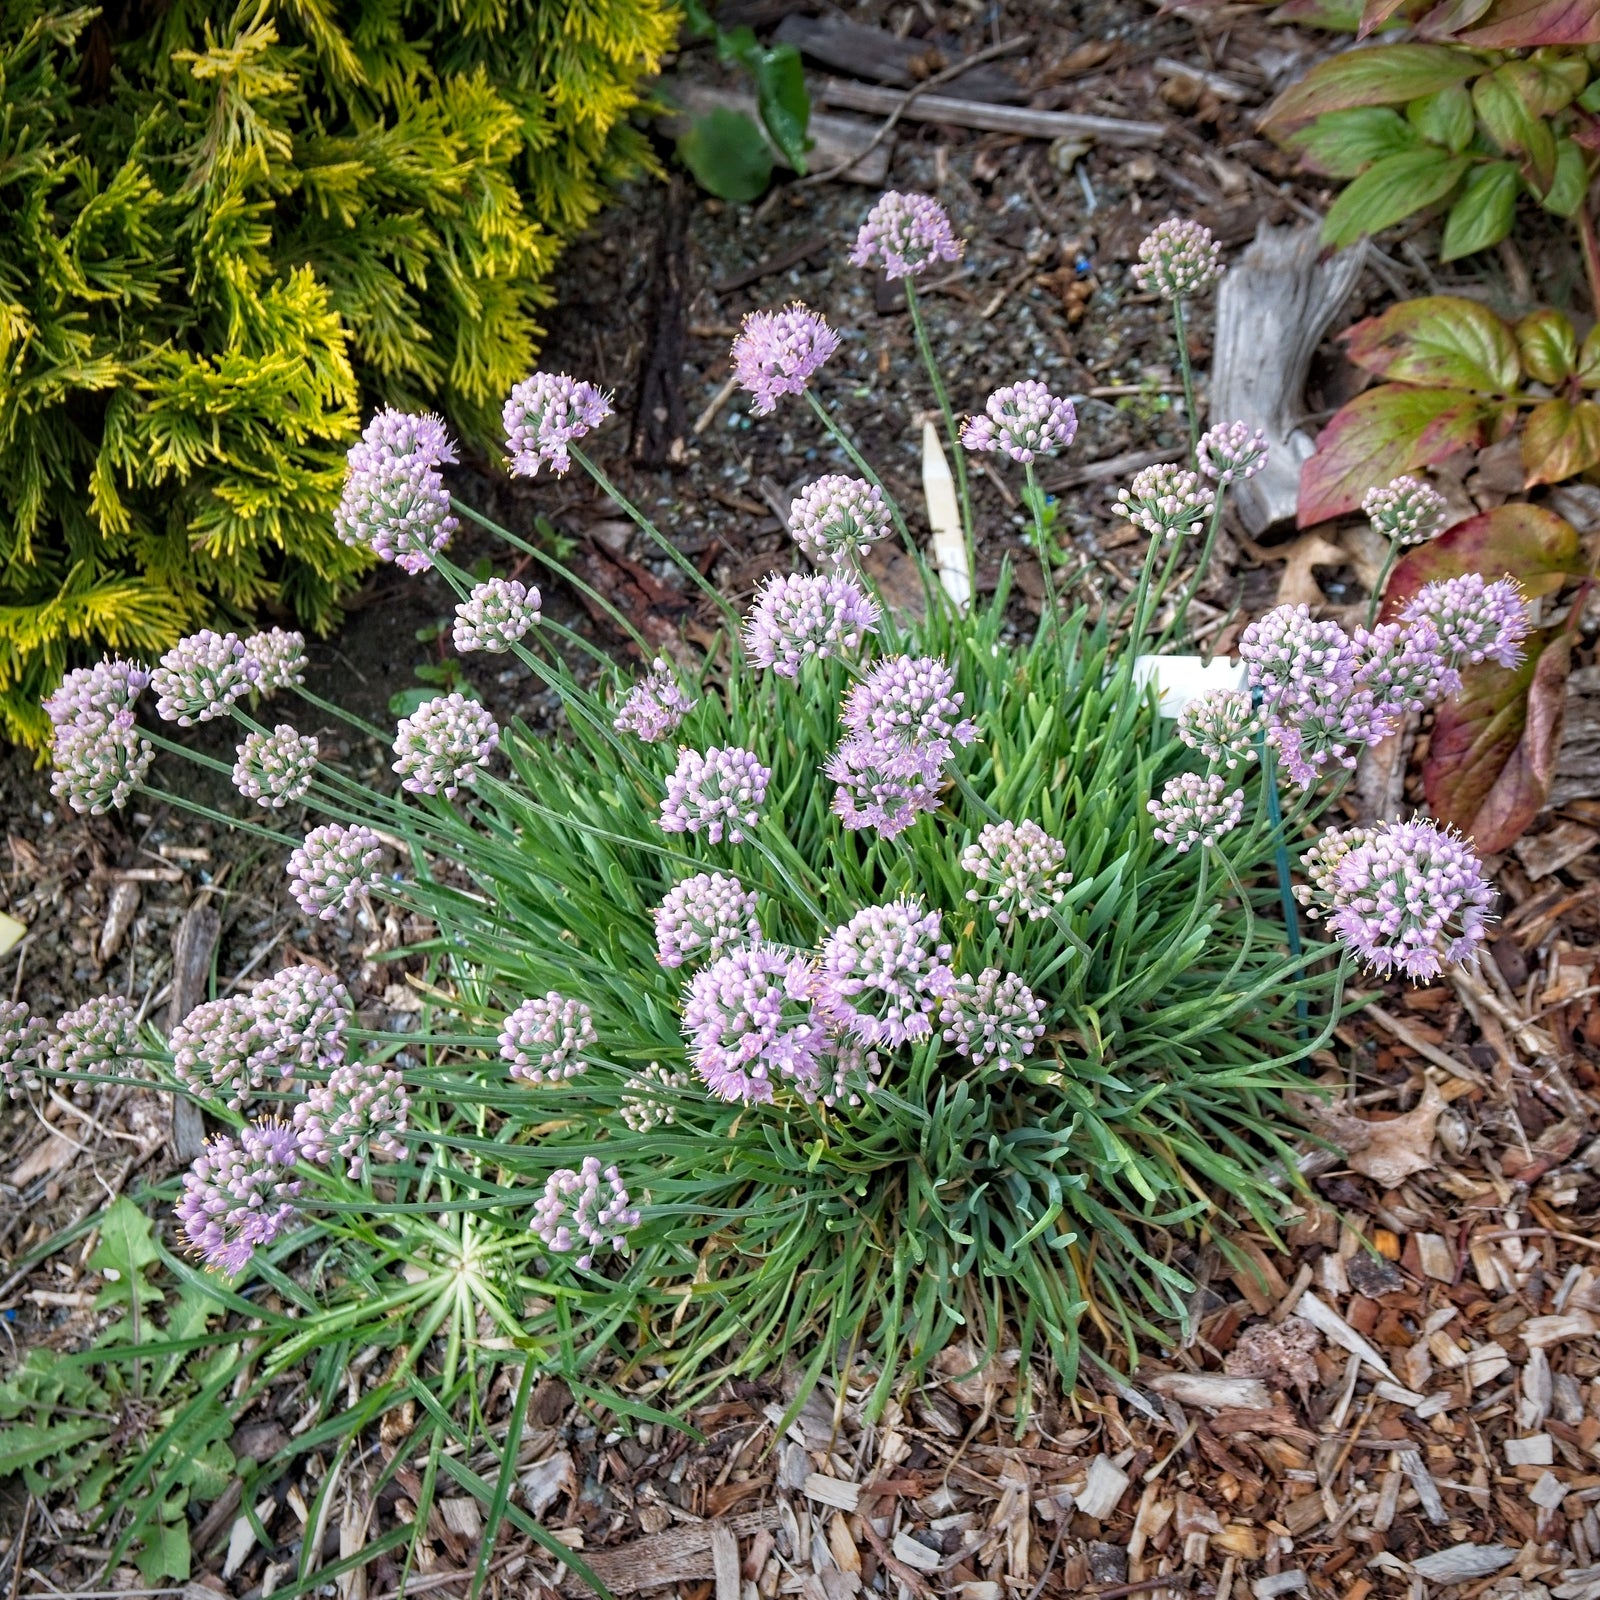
(1571, 180)
(1560, 439)
(1500, 99)
(1527, 24)
(1439, 339)
(1387, 75)
(1375, 13)
(1391, 189)
(1444, 118)
(1344, 144)
(1483, 215)
(1380, 434)
(1549, 346)
(1589, 359)
(1449, 17)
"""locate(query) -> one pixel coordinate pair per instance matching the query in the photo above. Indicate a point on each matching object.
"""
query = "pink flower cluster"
(777, 352)
(24, 1041)
(215, 1052)
(994, 1016)
(750, 1021)
(395, 502)
(1231, 451)
(1475, 620)
(904, 234)
(718, 793)
(495, 615)
(1222, 725)
(1178, 260)
(1406, 510)
(798, 618)
(1195, 810)
(654, 706)
(702, 917)
(836, 519)
(1166, 501)
(1021, 867)
(274, 769)
(543, 1040)
(332, 866)
(587, 1209)
(100, 1037)
(544, 415)
(883, 784)
(358, 1111)
(883, 973)
(280, 658)
(239, 1195)
(201, 676)
(441, 747)
(97, 751)
(1024, 421)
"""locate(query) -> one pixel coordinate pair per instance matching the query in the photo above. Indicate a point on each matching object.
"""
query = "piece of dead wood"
(845, 46)
(1111, 467)
(1273, 306)
(680, 1555)
(192, 947)
(1022, 120)
(1332, 1326)
(660, 419)
(1213, 1390)
(781, 262)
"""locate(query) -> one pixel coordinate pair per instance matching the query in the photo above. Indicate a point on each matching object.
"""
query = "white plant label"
(1180, 679)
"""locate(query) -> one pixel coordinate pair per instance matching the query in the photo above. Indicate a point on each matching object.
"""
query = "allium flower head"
(275, 768)
(796, 617)
(777, 352)
(359, 1111)
(995, 1015)
(1231, 451)
(1222, 725)
(837, 518)
(1406, 510)
(905, 234)
(403, 436)
(495, 615)
(1321, 861)
(702, 916)
(98, 765)
(586, 1210)
(97, 695)
(751, 1024)
(1194, 810)
(1410, 897)
(543, 416)
(1024, 420)
(280, 658)
(544, 1038)
(910, 701)
(301, 1014)
(1403, 666)
(239, 1195)
(1287, 647)
(398, 508)
(1020, 867)
(100, 1037)
(442, 745)
(214, 1052)
(848, 1066)
(884, 784)
(1476, 620)
(1178, 260)
(24, 1041)
(718, 793)
(333, 865)
(201, 676)
(654, 706)
(648, 1100)
(883, 972)
(1166, 501)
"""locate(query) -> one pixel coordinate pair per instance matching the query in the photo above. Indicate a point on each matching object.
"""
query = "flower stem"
(1375, 602)
(952, 433)
(1041, 540)
(1280, 856)
(1175, 629)
(1192, 417)
(350, 717)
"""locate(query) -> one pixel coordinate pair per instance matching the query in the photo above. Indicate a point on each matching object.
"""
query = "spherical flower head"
(24, 1041)
(97, 695)
(1476, 620)
(333, 866)
(543, 416)
(836, 519)
(1021, 868)
(239, 1195)
(904, 234)
(1166, 501)
(910, 701)
(650, 1099)
(1023, 420)
(1323, 722)
(849, 1070)
(702, 916)
(1287, 648)
(884, 784)
(777, 352)
(280, 658)
(1320, 862)
(796, 618)
(883, 973)
(994, 1016)
(397, 507)
(1412, 897)
(1406, 510)
(301, 1014)
(1403, 666)
(719, 794)
(1178, 260)
(214, 1052)
(586, 1210)
(751, 1024)
(1194, 810)
(544, 1038)
(201, 676)
(100, 1037)
(275, 768)
(654, 706)
(443, 743)
(495, 615)
(1222, 725)
(403, 436)
(1232, 451)
(358, 1112)
(99, 765)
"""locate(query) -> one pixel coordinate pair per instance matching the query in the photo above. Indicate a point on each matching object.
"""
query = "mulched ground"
(1418, 1372)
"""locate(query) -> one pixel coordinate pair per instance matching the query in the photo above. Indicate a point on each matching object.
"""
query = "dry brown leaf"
(45, 1158)
(1387, 1152)
(1298, 585)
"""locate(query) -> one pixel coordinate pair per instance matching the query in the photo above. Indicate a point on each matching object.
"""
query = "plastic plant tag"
(11, 932)
(1180, 679)
(944, 517)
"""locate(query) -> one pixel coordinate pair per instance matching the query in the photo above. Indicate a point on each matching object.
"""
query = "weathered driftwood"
(844, 46)
(1273, 306)
(956, 113)
(685, 1554)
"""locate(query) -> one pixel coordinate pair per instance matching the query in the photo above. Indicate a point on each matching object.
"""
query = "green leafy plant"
(1479, 24)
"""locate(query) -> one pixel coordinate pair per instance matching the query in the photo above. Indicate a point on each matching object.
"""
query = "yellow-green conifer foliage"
(225, 232)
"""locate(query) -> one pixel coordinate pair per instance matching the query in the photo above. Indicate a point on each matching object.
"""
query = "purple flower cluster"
(1021, 867)
(1166, 501)
(544, 1038)
(654, 706)
(1222, 725)
(904, 234)
(97, 695)
(275, 768)
(1194, 810)
(883, 972)
(718, 793)
(543, 416)
(995, 1015)
(301, 1015)
(1476, 620)
(98, 753)
(587, 1209)
(495, 615)
(750, 1021)
(647, 1102)
(333, 866)
(836, 519)
(395, 502)
(883, 784)
(24, 1041)
(215, 1052)
(1321, 861)
(702, 916)
(359, 1111)
(1406, 510)
(443, 744)
(910, 703)
(280, 658)
(201, 676)
(239, 1195)
(777, 352)
(1402, 665)
(403, 436)
(1231, 451)
(101, 1037)
(796, 618)
(1024, 421)
(1177, 260)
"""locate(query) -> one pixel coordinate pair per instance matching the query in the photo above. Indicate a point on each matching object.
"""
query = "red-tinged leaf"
(1380, 434)
(1386, 75)
(1440, 340)
(1390, 190)
(1337, 16)
(1549, 346)
(1375, 13)
(1534, 546)
(1560, 439)
(1526, 24)
(1450, 16)
(1493, 749)
(1498, 99)
(1589, 359)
